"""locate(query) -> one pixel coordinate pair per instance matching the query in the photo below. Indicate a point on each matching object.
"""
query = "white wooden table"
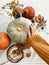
(41, 7)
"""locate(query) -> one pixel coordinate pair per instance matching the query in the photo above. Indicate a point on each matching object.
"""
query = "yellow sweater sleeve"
(40, 46)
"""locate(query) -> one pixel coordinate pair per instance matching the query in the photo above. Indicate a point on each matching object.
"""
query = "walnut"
(39, 18)
(41, 21)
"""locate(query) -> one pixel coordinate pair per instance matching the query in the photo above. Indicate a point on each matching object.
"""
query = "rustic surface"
(41, 6)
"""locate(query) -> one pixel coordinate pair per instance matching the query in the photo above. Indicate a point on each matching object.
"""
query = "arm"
(40, 46)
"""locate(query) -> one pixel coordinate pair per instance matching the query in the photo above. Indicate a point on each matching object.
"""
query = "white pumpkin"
(18, 29)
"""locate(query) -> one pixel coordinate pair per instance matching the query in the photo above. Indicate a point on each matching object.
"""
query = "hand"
(32, 30)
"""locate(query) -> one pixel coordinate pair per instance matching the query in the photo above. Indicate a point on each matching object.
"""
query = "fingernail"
(32, 24)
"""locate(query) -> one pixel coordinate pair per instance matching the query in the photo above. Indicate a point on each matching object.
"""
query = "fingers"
(33, 29)
(29, 34)
(32, 24)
